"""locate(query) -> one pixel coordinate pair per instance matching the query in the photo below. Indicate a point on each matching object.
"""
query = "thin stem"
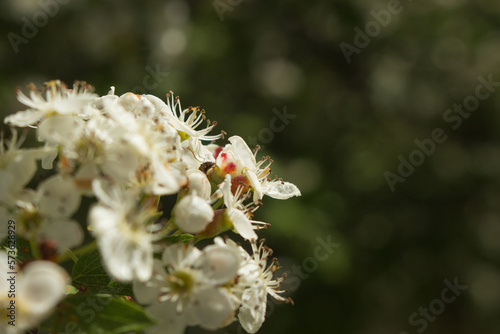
(166, 230)
(34, 249)
(69, 254)
(218, 204)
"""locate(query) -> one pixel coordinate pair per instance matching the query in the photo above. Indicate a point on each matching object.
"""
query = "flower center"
(181, 281)
(30, 219)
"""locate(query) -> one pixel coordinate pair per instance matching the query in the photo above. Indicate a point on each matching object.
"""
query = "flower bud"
(192, 214)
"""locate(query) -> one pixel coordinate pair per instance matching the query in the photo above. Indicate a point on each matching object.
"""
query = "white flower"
(186, 123)
(100, 151)
(186, 288)
(40, 286)
(44, 215)
(256, 281)
(192, 214)
(237, 159)
(118, 222)
(17, 167)
(164, 173)
(58, 100)
(128, 151)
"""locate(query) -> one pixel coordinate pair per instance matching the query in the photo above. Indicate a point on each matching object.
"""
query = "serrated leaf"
(88, 272)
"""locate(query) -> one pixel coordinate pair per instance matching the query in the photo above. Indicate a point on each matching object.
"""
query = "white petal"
(126, 256)
(48, 159)
(148, 292)
(226, 191)
(169, 321)
(121, 162)
(18, 167)
(282, 190)
(253, 310)
(168, 179)
(116, 255)
(105, 192)
(242, 224)
(60, 129)
(24, 118)
(243, 151)
(66, 234)
(58, 196)
(178, 255)
(102, 219)
(255, 183)
(160, 106)
(249, 322)
(212, 308)
(143, 261)
(220, 263)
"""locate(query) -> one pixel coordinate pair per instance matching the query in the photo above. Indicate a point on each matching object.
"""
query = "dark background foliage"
(352, 120)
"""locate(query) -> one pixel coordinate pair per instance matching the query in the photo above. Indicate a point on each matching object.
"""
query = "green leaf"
(89, 274)
(121, 316)
(184, 238)
(97, 314)
(23, 248)
(116, 288)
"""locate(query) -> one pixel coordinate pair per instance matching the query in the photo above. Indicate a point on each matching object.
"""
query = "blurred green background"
(245, 61)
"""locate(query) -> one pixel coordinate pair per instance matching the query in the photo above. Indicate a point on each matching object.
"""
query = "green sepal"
(218, 225)
(174, 239)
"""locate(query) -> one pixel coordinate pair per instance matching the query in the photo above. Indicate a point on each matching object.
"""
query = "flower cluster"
(130, 156)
